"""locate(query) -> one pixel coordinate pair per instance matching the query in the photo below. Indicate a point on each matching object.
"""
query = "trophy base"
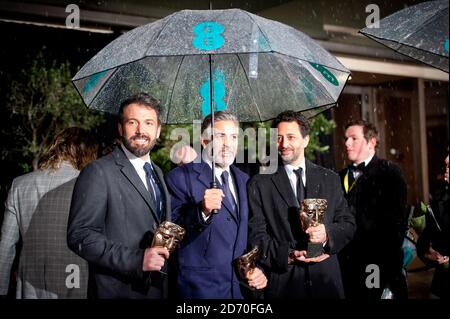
(314, 250)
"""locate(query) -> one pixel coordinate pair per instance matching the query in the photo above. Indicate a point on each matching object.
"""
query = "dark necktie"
(227, 191)
(300, 186)
(153, 188)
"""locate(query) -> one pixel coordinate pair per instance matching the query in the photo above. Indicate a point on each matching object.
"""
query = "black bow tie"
(359, 167)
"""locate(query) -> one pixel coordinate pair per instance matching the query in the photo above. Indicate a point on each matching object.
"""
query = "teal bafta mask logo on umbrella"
(208, 35)
(219, 93)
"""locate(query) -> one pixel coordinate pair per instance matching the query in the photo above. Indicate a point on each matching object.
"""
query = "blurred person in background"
(433, 246)
(36, 212)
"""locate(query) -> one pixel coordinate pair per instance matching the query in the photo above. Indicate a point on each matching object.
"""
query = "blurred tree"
(320, 126)
(41, 102)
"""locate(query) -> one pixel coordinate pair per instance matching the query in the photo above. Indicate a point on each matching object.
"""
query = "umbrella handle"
(214, 185)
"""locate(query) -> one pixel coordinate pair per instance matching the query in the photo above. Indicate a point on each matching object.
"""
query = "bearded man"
(118, 202)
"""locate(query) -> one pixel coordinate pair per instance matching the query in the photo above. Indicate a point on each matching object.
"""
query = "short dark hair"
(219, 116)
(291, 116)
(369, 130)
(142, 99)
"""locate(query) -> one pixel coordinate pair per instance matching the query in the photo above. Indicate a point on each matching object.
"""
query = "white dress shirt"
(293, 177)
(138, 164)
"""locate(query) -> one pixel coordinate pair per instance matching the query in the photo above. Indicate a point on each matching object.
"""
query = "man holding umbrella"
(118, 203)
(215, 219)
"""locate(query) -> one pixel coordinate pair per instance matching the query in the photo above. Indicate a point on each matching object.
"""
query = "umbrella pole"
(211, 93)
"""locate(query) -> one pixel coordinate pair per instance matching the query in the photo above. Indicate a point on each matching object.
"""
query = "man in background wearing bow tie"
(376, 191)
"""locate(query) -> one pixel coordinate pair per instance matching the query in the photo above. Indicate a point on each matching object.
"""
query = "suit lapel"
(365, 174)
(241, 189)
(203, 173)
(313, 180)
(283, 185)
(130, 173)
(236, 183)
(165, 191)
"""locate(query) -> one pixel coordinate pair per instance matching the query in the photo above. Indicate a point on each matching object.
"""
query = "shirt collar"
(218, 170)
(290, 168)
(367, 160)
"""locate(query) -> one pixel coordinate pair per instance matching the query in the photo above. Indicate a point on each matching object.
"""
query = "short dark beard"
(286, 162)
(138, 152)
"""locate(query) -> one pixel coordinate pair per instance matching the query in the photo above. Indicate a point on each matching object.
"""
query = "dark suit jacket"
(378, 200)
(208, 249)
(112, 220)
(274, 225)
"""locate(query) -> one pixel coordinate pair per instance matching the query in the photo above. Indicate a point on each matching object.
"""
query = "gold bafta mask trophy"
(247, 262)
(312, 213)
(168, 235)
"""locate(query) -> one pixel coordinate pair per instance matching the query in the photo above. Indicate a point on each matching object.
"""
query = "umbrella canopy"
(420, 32)
(258, 68)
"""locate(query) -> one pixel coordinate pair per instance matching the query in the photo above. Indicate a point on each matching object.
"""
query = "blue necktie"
(227, 191)
(153, 188)
(300, 187)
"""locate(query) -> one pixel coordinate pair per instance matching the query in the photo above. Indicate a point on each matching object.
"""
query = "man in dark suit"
(376, 191)
(274, 222)
(213, 241)
(118, 203)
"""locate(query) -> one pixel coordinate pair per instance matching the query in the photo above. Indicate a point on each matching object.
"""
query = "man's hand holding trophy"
(312, 215)
(165, 240)
(246, 265)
